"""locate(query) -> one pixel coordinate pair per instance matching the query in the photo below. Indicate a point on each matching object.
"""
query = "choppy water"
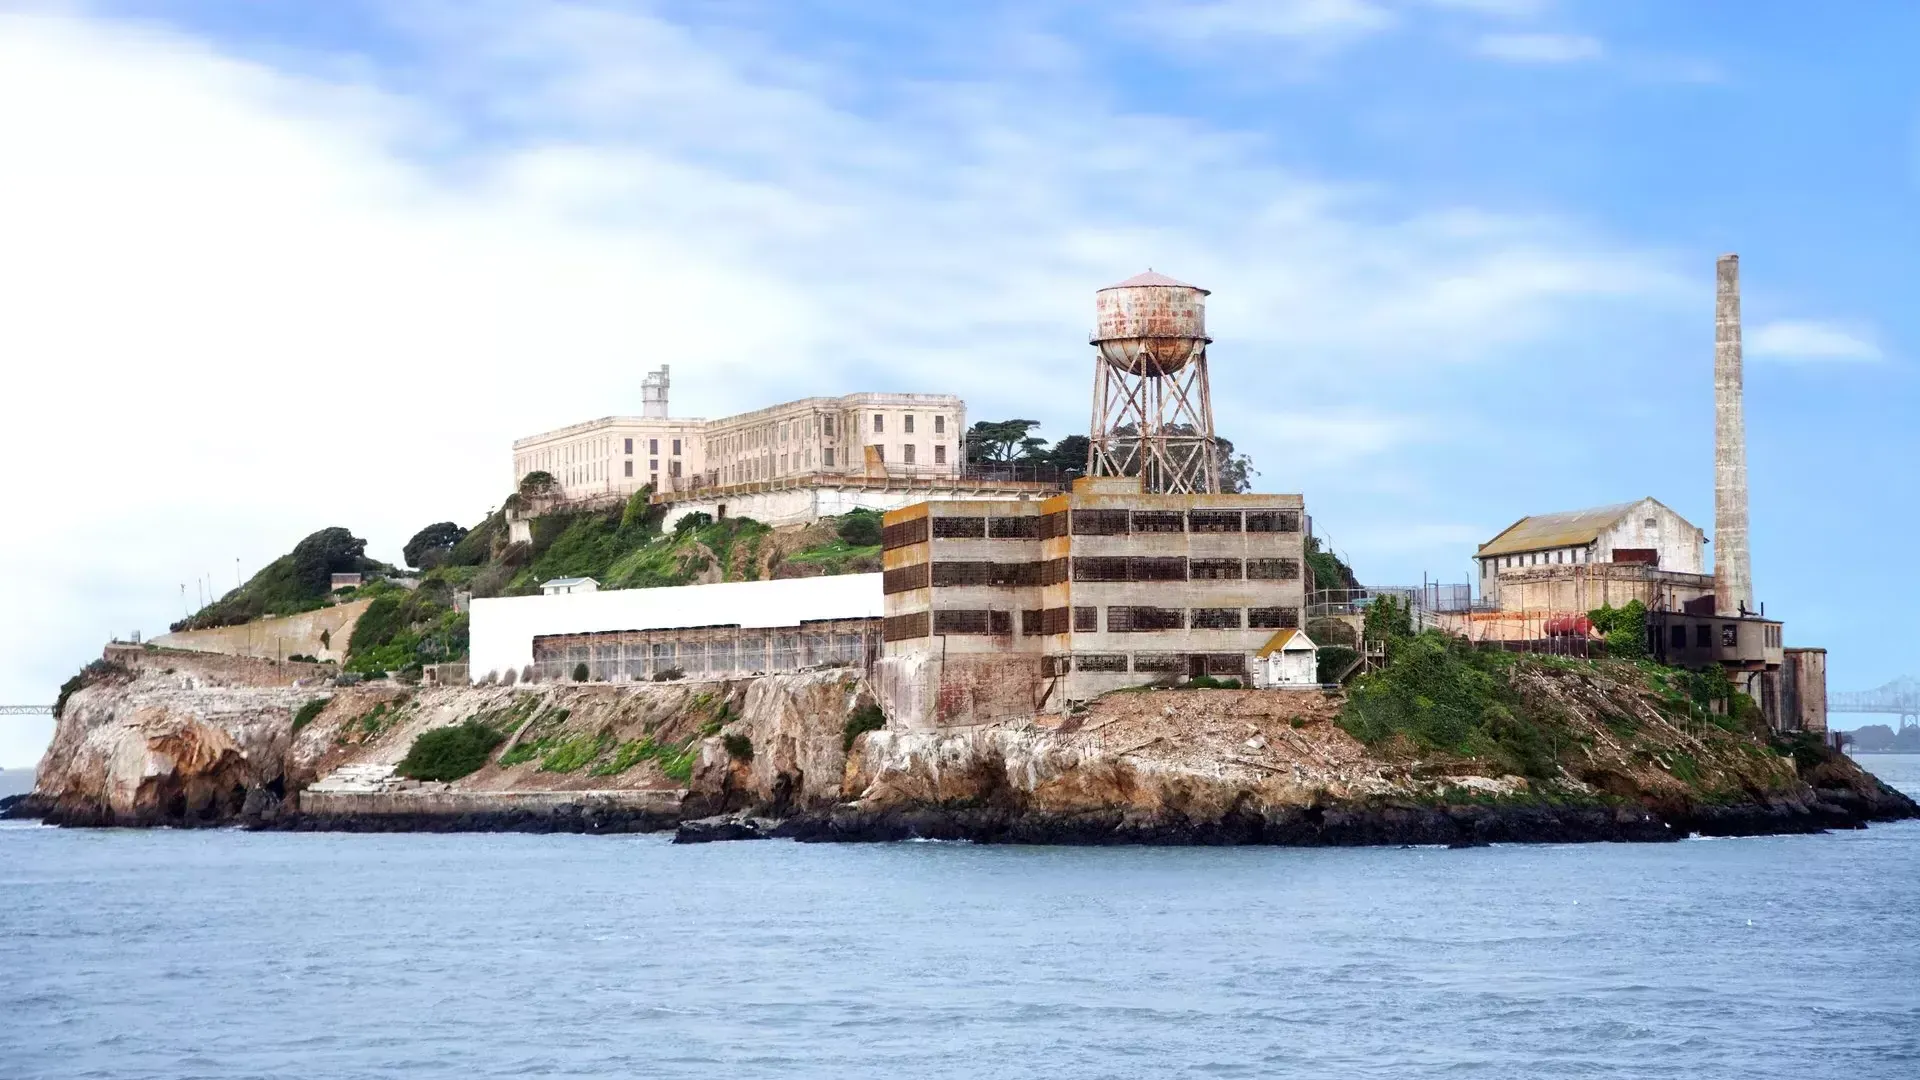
(227, 954)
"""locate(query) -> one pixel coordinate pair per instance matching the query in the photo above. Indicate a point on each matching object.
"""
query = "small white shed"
(1289, 658)
(561, 585)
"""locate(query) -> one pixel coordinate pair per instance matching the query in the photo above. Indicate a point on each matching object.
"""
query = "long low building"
(700, 631)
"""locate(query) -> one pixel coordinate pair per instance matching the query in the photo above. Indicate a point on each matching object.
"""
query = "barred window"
(1159, 521)
(1000, 623)
(1100, 662)
(1127, 620)
(1052, 525)
(1157, 569)
(1112, 568)
(896, 628)
(1216, 618)
(1031, 621)
(1214, 521)
(961, 621)
(1214, 569)
(1273, 521)
(1273, 618)
(959, 528)
(1099, 522)
(1053, 571)
(1159, 662)
(1086, 620)
(948, 574)
(1225, 663)
(1013, 528)
(1053, 621)
(904, 579)
(1055, 666)
(903, 533)
(1273, 569)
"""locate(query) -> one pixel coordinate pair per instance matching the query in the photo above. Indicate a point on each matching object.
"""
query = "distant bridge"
(26, 710)
(1900, 698)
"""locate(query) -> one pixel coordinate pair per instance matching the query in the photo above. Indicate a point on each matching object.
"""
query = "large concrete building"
(1583, 559)
(814, 439)
(1006, 607)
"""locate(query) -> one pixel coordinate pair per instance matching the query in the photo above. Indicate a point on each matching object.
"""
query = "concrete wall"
(804, 505)
(277, 638)
(617, 454)
(1572, 588)
(1803, 683)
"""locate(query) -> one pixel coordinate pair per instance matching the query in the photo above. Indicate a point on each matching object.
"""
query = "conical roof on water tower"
(1150, 323)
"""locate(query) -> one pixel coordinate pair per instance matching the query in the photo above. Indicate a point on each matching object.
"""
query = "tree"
(1069, 455)
(1236, 470)
(431, 545)
(326, 553)
(859, 528)
(538, 482)
(1003, 442)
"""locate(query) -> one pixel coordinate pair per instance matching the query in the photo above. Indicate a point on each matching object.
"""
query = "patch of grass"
(631, 753)
(1685, 768)
(524, 751)
(739, 747)
(569, 755)
(1443, 694)
(678, 764)
(307, 712)
(1208, 682)
(450, 753)
(864, 719)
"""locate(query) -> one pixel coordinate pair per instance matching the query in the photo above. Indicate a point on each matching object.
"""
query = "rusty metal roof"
(1570, 528)
(1152, 278)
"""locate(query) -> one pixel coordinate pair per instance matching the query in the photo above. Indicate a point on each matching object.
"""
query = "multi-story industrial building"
(1007, 607)
(897, 435)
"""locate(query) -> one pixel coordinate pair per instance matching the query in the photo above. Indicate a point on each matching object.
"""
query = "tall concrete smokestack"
(1732, 570)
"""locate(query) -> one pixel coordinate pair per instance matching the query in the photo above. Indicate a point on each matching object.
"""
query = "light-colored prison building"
(1006, 607)
(898, 435)
(725, 630)
(1581, 559)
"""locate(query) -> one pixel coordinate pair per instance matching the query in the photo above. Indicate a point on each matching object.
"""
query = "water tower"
(1152, 411)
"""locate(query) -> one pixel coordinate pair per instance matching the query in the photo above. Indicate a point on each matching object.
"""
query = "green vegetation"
(676, 762)
(1328, 571)
(450, 753)
(1208, 682)
(1441, 693)
(95, 671)
(1625, 629)
(864, 719)
(401, 630)
(297, 581)
(307, 712)
(431, 545)
(569, 755)
(739, 747)
(580, 672)
(859, 528)
(1334, 661)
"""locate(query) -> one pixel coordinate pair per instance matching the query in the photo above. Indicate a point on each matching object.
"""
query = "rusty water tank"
(1150, 324)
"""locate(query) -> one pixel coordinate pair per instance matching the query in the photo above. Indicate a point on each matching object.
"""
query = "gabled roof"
(550, 582)
(1288, 640)
(1152, 278)
(1569, 528)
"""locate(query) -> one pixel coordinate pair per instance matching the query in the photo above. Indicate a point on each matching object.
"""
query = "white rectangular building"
(723, 630)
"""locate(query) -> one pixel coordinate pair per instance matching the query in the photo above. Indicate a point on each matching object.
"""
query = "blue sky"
(272, 267)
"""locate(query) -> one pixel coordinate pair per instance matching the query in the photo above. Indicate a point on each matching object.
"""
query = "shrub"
(1334, 661)
(859, 528)
(450, 753)
(864, 719)
(739, 747)
(1443, 694)
(307, 712)
(509, 677)
(580, 672)
(95, 671)
(1208, 682)
(669, 674)
(699, 519)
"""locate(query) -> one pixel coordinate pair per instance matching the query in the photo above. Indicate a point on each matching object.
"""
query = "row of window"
(1532, 558)
(1729, 636)
(1088, 523)
(1158, 663)
(1099, 568)
(1118, 619)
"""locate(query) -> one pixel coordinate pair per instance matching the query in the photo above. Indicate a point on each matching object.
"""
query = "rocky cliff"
(158, 737)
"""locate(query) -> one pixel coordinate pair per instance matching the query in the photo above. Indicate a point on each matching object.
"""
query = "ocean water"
(228, 954)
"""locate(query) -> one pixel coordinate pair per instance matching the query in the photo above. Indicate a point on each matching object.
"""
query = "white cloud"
(1540, 48)
(245, 303)
(1810, 341)
(1326, 22)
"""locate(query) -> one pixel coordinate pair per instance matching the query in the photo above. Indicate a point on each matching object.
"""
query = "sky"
(266, 268)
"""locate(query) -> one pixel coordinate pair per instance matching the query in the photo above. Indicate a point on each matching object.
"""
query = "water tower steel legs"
(1159, 427)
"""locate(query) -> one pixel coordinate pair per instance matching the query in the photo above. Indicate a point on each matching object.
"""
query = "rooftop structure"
(1152, 409)
(1532, 564)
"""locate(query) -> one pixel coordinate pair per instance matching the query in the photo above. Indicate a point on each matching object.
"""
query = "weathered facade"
(998, 608)
(714, 652)
(1643, 534)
